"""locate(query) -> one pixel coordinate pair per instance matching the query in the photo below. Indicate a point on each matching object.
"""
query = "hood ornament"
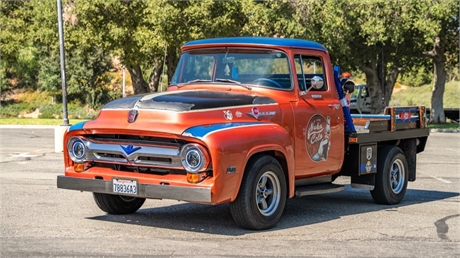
(132, 115)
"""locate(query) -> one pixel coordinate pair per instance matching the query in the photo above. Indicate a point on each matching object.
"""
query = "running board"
(317, 189)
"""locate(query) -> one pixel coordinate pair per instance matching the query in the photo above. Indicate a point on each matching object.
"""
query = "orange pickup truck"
(248, 121)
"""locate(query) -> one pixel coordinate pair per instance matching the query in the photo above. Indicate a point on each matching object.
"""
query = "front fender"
(231, 145)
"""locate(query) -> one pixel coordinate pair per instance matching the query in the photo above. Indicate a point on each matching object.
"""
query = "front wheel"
(392, 176)
(117, 204)
(262, 196)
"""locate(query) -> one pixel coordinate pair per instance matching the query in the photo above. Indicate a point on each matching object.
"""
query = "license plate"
(125, 186)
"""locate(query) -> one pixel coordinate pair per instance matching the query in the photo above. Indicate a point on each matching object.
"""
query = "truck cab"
(247, 121)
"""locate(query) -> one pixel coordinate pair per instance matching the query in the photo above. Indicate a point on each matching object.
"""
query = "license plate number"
(125, 186)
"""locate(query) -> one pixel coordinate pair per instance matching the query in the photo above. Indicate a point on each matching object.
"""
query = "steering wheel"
(270, 81)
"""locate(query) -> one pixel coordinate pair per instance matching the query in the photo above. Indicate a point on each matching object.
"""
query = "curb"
(445, 131)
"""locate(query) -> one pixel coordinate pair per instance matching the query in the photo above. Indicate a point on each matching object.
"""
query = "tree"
(443, 24)
(19, 57)
(439, 60)
(379, 37)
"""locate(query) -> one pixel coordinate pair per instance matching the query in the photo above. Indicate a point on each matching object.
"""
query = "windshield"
(265, 68)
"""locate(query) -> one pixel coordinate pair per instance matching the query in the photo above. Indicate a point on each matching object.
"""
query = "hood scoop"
(188, 100)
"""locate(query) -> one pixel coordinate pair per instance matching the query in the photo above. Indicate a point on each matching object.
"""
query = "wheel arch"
(281, 158)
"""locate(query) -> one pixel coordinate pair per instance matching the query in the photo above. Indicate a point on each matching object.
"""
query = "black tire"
(262, 196)
(392, 176)
(116, 204)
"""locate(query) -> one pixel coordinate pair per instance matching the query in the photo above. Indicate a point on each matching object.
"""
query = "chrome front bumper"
(189, 194)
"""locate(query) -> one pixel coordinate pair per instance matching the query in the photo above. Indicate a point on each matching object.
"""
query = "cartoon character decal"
(318, 137)
(228, 115)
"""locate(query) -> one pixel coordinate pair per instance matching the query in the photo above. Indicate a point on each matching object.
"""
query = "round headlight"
(77, 149)
(193, 157)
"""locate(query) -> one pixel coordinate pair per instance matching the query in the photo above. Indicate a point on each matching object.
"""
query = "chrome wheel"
(262, 195)
(268, 193)
(391, 178)
(397, 176)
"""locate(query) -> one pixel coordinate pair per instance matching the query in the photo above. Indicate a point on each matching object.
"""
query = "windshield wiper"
(235, 82)
(192, 81)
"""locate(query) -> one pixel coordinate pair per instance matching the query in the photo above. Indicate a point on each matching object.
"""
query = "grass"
(22, 104)
(421, 96)
(454, 126)
(36, 121)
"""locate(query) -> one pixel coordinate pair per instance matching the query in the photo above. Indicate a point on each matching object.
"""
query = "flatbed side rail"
(393, 119)
(406, 117)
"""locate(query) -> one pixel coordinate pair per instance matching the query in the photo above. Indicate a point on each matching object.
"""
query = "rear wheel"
(392, 176)
(117, 204)
(262, 196)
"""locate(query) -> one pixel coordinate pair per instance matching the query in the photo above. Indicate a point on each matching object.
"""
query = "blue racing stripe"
(202, 130)
(77, 126)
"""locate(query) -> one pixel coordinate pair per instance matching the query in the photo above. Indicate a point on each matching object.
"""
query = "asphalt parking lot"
(39, 220)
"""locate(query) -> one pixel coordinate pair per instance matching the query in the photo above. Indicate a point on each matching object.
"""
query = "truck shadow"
(216, 219)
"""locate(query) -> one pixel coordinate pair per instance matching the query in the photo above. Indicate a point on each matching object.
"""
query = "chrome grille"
(141, 153)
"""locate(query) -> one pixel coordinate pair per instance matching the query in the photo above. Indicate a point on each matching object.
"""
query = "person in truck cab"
(348, 87)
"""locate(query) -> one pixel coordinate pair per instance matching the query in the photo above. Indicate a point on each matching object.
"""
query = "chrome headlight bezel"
(74, 146)
(197, 151)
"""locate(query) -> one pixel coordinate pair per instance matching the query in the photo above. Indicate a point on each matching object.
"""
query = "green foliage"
(49, 74)
(416, 77)
(88, 81)
(13, 110)
(378, 35)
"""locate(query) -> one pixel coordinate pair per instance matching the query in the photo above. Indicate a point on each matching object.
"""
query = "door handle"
(336, 106)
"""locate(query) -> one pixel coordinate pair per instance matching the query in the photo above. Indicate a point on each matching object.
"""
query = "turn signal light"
(79, 167)
(195, 177)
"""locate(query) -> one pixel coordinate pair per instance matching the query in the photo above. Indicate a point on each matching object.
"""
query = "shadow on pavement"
(216, 219)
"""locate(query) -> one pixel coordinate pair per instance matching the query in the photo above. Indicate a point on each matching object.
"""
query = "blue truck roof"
(281, 42)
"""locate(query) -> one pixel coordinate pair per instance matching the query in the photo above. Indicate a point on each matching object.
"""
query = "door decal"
(318, 137)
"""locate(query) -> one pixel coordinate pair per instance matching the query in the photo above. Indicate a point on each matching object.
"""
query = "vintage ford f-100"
(247, 121)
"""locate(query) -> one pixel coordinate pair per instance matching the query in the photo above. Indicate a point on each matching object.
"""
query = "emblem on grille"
(132, 115)
(130, 149)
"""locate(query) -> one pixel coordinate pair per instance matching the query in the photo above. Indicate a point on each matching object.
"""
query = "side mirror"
(349, 87)
(317, 82)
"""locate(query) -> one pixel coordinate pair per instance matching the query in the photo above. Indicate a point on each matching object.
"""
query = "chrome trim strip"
(189, 194)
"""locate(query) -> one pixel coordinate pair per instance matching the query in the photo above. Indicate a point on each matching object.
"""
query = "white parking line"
(440, 179)
(25, 155)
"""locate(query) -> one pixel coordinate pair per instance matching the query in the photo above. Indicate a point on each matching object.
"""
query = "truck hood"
(171, 113)
(188, 100)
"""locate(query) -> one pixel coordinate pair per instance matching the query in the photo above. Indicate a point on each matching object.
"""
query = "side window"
(307, 67)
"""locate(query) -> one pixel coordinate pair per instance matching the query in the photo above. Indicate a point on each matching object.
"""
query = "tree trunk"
(437, 115)
(171, 62)
(155, 75)
(390, 84)
(374, 86)
(139, 84)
